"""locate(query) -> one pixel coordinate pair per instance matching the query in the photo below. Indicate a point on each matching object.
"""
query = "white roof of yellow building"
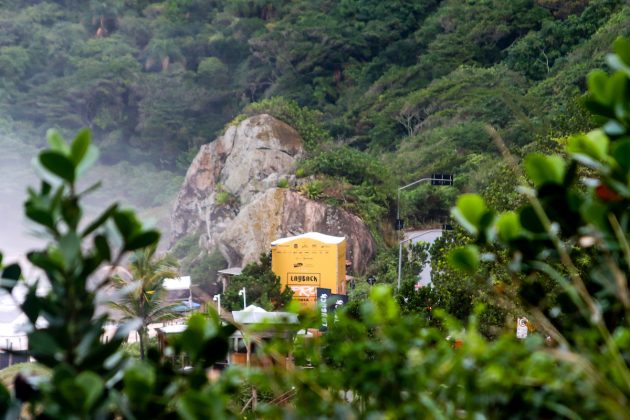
(327, 239)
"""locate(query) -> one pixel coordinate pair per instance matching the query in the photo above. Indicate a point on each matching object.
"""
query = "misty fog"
(16, 174)
(120, 183)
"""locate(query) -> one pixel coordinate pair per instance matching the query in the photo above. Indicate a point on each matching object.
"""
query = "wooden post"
(248, 346)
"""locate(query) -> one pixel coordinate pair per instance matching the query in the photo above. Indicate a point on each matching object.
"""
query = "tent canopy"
(256, 315)
(178, 283)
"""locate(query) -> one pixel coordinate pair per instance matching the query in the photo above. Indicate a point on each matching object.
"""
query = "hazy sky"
(15, 174)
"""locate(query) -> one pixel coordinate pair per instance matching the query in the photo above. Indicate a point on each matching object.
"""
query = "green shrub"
(348, 163)
(574, 234)
(235, 121)
(313, 190)
(8, 374)
(283, 183)
(91, 377)
(212, 71)
(262, 285)
(223, 197)
(306, 121)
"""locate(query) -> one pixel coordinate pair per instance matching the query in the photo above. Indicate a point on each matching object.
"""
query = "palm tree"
(142, 295)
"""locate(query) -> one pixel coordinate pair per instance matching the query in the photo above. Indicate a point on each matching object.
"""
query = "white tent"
(178, 283)
(256, 315)
(12, 324)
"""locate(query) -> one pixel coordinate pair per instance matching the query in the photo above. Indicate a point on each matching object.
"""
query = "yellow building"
(306, 262)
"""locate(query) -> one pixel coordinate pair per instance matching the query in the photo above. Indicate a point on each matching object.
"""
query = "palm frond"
(145, 296)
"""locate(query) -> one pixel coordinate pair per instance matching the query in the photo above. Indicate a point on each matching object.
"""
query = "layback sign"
(304, 286)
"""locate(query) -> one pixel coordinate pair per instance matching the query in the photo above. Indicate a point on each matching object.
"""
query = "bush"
(283, 183)
(213, 72)
(574, 234)
(306, 121)
(223, 197)
(344, 162)
(313, 190)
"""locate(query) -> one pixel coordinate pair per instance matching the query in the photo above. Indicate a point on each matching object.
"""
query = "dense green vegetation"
(155, 79)
(263, 288)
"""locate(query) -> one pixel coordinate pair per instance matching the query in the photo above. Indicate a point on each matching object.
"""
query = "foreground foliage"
(90, 378)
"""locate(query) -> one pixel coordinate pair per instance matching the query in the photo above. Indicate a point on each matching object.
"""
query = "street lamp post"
(243, 293)
(217, 299)
(435, 179)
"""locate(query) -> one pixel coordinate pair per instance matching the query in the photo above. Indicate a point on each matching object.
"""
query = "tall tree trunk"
(142, 343)
(143, 328)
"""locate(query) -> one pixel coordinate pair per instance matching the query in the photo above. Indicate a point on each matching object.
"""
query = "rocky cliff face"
(230, 196)
(281, 212)
(229, 172)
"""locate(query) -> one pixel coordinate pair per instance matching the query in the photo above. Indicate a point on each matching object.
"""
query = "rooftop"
(232, 271)
(327, 239)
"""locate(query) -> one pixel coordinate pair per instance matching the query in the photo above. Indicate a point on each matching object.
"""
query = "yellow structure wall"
(305, 264)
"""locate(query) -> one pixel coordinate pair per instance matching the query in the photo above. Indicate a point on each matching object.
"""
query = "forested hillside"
(409, 86)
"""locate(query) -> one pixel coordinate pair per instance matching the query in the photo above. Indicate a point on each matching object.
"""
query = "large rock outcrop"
(230, 197)
(281, 212)
(229, 172)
